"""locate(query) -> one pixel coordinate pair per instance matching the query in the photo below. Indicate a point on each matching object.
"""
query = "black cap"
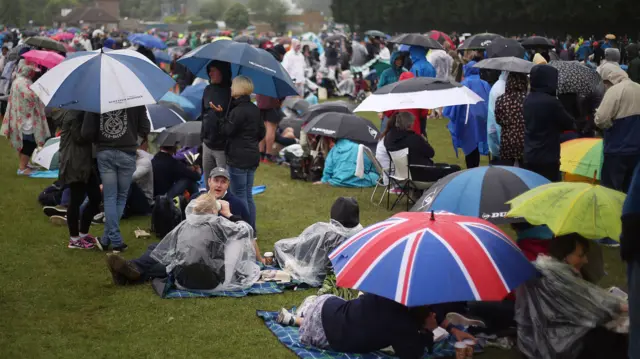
(346, 211)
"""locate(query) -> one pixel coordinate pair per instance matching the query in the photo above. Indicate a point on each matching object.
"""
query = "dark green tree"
(237, 16)
(214, 9)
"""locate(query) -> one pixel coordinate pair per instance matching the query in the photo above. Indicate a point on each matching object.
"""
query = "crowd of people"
(208, 231)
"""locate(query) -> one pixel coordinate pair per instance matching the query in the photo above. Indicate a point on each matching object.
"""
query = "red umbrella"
(68, 47)
(441, 37)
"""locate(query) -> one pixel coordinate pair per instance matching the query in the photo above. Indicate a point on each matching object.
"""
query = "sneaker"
(95, 240)
(98, 218)
(58, 220)
(120, 248)
(122, 271)
(285, 318)
(304, 307)
(460, 320)
(54, 211)
(79, 244)
(608, 242)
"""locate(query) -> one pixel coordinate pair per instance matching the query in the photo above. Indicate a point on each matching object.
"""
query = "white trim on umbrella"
(421, 99)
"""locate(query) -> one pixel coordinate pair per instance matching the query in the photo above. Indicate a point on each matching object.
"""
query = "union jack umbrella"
(424, 258)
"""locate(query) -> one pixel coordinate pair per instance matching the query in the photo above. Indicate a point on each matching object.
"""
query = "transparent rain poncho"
(224, 247)
(554, 312)
(305, 257)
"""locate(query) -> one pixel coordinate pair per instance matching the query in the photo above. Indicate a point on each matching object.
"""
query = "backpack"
(167, 213)
(52, 195)
(317, 168)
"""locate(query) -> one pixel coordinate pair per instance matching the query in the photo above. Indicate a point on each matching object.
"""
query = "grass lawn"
(60, 303)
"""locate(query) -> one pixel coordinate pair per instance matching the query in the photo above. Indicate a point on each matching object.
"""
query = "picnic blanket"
(289, 337)
(45, 174)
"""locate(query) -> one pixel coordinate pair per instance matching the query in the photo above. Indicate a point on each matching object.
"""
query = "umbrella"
(183, 102)
(337, 37)
(186, 135)
(73, 30)
(375, 33)
(103, 80)
(245, 39)
(49, 156)
(511, 64)
(294, 122)
(162, 117)
(29, 33)
(194, 93)
(333, 106)
(146, 40)
(14, 54)
(63, 36)
(536, 42)
(162, 57)
(47, 59)
(582, 157)
(177, 50)
(343, 125)
(296, 104)
(268, 76)
(45, 43)
(441, 38)
(407, 256)
(571, 207)
(502, 47)
(479, 192)
(420, 92)
(479, 41)
(417, 40)
(573, 77)
(177, 109)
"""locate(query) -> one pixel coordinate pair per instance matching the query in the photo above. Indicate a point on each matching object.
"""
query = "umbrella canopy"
(194, 94)
(183, 102)
(177, 109)
(14, 54)
(343, 125)
(268, 76)
(162, 57)
(583, 157)
(441, 38)
(294, 122)
(29, 33)
(376, 33)
(336, 37)
(103, 80)
(162, 117)
(480, 192)
(49, 156)
(45, 43)
(405, 257)
(333, 106)
(479, 41)
(419, 92)
(417, 40)
(569, 207)
(536, 42)
(47, 59)
(63, 36)
(511, 64)
(573, 77)
(185, 135)
(502, 47)
(146, 40)
(296, 104)
(245, 39)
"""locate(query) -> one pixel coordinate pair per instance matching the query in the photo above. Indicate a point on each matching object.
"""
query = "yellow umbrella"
(589, 210)
(610, 37)
(582, 157)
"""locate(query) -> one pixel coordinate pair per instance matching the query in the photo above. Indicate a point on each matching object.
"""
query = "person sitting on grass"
(141, 199)
(172, 177)
(305, 257)
(340, 167)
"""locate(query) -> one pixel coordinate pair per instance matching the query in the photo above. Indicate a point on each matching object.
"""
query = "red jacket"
(416, 112)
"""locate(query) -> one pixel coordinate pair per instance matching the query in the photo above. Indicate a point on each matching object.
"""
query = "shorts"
(311, 331)
(272, 115)
(29, 145)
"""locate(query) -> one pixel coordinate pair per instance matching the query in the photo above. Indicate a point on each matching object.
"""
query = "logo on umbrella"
(494, 215)
(373, 132)
(324, 130)
(485, 43)
(429, 198)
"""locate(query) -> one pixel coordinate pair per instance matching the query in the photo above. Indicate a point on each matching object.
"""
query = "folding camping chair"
(402, 177)
(381, 172)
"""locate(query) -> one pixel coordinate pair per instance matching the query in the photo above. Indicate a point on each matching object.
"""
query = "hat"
(219, 172)
(346, 211)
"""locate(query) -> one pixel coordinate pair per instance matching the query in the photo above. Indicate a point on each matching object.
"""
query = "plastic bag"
(221, 246)
(305, 257)
(554, 312)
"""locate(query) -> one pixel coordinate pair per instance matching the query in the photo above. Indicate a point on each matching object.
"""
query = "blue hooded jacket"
(472, 134)
(584, 51)
(340, 167)
(421, 67)
(392, 74)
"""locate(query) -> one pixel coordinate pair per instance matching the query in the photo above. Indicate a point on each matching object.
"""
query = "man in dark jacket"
(630, 251)
(633, 52)
(545, 119)
(115, 135)
(216, 102)
(171, 176)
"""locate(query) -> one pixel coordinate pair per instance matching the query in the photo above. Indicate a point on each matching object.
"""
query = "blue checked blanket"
(289, 337)
(166, 289)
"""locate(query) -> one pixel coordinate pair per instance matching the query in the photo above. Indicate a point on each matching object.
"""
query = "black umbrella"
(177, 109)
(296, 104)
(375, 33)
(574, 77)
(293, 122)
(338, 37)
(502, 47)
(417, 40)
(244, 38)
(537, 41)
(511, 64)
(185, 135)
(343, 125)
(46, 43)
(553, 56)
(161, 117)
(479, 41)
(334, 106)
(29, 33)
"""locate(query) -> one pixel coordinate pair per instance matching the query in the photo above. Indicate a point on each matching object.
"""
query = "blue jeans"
(116, 171)
(241, 186)
(633, 278)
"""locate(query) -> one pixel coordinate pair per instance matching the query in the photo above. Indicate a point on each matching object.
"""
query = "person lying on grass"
(207, 251)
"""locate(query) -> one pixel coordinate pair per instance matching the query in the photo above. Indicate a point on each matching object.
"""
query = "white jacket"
(295, 65)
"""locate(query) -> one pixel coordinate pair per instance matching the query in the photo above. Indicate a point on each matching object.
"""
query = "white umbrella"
(48, 156)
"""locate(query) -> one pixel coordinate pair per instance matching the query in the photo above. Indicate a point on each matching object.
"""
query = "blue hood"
(469, 70)
(417, 53)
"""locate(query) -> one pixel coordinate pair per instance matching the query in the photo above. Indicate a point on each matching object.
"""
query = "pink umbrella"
(47, 59)
(63, 36)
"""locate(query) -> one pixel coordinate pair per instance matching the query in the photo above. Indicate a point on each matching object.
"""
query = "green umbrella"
(46, 43)
(49, 155)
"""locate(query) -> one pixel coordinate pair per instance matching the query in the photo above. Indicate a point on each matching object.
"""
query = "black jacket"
(545, 118)
(167, 171)
(76, 158)
(117, 130)
(243, 130)
(219, 95)
(420, 151)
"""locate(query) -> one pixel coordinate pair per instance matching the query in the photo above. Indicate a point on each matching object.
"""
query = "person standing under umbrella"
(510, 116)
(115, 135)
(421, 67)
(294, 62)
(216, 102)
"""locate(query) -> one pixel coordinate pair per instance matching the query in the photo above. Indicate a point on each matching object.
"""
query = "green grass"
(60, 303)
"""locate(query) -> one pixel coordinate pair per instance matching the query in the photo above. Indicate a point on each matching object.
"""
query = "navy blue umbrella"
(268, 76)
(162, 117)
(194, 94)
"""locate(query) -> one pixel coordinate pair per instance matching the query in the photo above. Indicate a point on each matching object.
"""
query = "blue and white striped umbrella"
(103, 80)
